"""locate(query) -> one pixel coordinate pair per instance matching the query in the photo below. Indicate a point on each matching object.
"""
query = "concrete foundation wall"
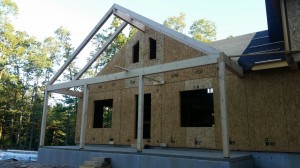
(176, 159)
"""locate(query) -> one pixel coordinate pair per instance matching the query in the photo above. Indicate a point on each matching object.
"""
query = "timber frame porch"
(212, 56)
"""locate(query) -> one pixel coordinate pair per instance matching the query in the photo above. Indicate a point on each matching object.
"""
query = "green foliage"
(26, 65)
(176, 23)
(100, 39)
(7, 8)
(203, 30)
(107, 117)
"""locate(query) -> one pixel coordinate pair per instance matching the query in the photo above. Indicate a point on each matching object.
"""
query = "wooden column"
(139, 145)
(44, 118)
(83, 116)
(223, 107)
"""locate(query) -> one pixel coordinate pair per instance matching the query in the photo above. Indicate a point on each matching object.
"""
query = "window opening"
(103, 113)
(197, 108)
(152, 48)
(136, 50)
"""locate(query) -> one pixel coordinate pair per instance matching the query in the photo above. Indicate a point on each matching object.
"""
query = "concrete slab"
(159, 157)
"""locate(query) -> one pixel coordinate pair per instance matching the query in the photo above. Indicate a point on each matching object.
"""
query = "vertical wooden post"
(44, 118)
(83, 116)
(223, 107)
(139, 145)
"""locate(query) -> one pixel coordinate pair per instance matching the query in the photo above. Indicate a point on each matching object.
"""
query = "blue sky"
(41, 18)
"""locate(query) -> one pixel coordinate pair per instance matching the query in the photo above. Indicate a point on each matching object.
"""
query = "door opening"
(147, 116)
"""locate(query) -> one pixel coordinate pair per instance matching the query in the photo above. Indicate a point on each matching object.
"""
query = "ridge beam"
(128, 19)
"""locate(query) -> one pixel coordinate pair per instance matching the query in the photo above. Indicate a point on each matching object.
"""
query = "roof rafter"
(128, 19)
(140, 23)
(105, 45)
(82, 45)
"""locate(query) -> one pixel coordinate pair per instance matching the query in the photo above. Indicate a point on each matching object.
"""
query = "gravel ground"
(25, 164)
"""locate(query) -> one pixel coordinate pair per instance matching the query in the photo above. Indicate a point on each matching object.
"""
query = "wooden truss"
(213, 56)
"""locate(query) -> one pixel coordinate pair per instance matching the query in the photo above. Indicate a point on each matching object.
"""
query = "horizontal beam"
(82, 45)
(177, 65)
(169, 32)
(69, 92)
(128, 19)
(232, 66)
(105, 45)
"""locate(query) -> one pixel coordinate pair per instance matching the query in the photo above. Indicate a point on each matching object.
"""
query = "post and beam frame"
(213, 56)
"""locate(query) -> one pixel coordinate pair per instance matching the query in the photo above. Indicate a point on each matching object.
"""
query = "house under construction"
(165, 96)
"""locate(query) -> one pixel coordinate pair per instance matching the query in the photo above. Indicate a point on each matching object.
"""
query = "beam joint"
(231, 65)
(128, 19)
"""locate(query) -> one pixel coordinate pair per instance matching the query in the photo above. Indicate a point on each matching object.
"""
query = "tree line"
(27, 64)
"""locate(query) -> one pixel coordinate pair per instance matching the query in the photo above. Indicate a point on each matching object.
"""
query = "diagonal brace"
(107, 43)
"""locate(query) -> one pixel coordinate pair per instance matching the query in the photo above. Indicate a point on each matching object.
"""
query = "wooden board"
(265, 111)
(102, 135)
(291, 95)
(237, 113)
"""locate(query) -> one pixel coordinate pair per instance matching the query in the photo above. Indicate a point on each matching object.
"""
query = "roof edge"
(205, 48)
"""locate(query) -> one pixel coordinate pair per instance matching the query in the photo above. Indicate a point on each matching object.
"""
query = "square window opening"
(103, 113)
(152, 48)
(136, 50)
(197, 108)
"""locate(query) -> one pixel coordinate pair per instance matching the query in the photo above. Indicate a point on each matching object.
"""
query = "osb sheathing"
(293, 14)
(262, 106)
(78, 120)
(144, 49)
(128, 115)
(175, 51)
(102, 135)
(263, 110)
(117, 60)
(291, 99)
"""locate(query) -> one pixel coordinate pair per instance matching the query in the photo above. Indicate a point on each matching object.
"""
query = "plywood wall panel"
(172, 133)
(192, 73)
(156, 110)
(265, 111)
(118, 59)
(106, 86)
(175, 51)
(127, 116)
(291, 103)
(200, 137)
(217, 113)
(237, 113)
(102, 135)
(78, 120)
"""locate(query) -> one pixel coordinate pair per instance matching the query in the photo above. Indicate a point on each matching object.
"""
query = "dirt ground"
(25, 164)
